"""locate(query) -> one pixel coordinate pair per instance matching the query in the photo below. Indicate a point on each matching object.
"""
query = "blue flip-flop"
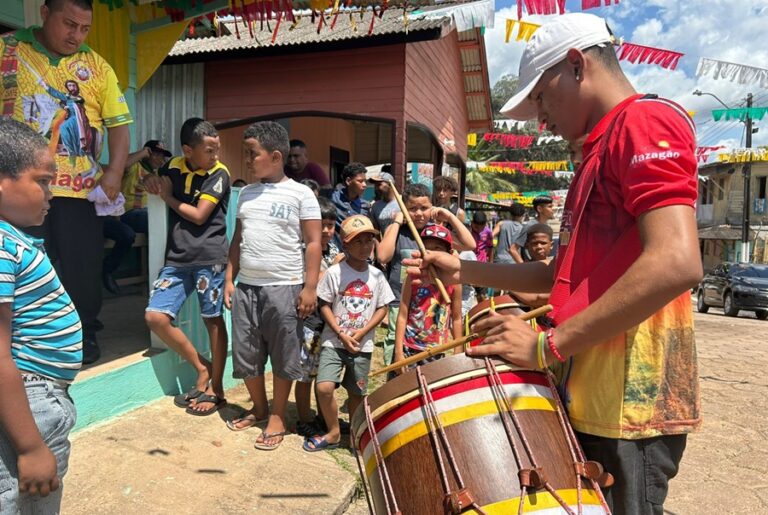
(319, 443)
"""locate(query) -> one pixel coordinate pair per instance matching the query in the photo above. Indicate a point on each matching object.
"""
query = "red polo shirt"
(641, 383)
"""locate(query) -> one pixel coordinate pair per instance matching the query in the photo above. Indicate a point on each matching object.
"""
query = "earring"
(576, 73)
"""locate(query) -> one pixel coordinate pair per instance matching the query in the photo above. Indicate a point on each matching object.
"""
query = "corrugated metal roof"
(348, 26)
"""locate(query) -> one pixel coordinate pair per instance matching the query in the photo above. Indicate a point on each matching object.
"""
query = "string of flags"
(527, 167)
(591, 4)
(525, 30)
(740, 114)
(510, 140)
(733, 72)
(540, 7)
(744, 155)
(644, 54)
(702, 153)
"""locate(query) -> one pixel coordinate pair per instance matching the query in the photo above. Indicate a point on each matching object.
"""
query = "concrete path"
(158, 459)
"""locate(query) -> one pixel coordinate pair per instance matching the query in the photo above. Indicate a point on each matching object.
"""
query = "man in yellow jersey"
(53, 82)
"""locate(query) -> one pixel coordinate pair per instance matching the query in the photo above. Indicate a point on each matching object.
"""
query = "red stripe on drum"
(479, 390)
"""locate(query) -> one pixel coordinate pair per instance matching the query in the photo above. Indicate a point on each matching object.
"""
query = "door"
(339, 159)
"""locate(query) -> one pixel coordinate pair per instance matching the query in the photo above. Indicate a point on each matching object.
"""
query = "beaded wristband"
(551, 342)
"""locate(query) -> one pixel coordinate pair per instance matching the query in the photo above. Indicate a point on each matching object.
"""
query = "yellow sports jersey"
(133, 188)
(70, 100)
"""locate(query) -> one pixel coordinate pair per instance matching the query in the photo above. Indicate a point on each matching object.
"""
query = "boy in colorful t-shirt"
(424, 320)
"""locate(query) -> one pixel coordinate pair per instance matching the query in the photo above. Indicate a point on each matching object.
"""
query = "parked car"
(735, 287)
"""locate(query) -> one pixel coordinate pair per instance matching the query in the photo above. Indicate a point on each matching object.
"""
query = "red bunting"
(510, 140)
(702, 153)
(645, 54)
(590, 4)
(540, 7)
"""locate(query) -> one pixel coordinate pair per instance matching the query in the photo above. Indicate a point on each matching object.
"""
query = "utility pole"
(747, 172)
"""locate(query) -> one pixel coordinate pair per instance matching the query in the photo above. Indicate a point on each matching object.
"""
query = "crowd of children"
(308, 281)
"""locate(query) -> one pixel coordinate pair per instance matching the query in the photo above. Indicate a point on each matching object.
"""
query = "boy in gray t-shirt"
(276, 218)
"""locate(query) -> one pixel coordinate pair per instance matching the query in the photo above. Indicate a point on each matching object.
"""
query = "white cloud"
(729, 30)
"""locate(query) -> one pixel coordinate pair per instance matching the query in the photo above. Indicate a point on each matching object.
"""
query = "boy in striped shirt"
(40, 332)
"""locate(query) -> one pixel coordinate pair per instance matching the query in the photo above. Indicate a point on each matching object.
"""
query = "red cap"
(438, 232)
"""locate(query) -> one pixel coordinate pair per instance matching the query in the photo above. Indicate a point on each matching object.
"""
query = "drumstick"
(439, 349)
(420, 244)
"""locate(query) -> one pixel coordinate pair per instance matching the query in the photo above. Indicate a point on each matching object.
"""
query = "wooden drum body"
(501, 433)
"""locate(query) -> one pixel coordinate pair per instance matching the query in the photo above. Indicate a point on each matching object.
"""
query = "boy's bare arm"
(464, 238)
(385, 250)
(402, 319)
(198, 214)
(233, 264)
(311, 231)
(373, 323)
(514, 251)
(36, 462)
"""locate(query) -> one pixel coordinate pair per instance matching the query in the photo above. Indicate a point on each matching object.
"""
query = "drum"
(465, 435)
(500, 304)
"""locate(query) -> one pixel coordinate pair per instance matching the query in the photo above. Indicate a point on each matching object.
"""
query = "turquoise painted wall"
(119, 391)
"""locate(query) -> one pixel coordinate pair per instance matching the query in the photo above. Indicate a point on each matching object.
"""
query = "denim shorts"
(54, 414)
(175, 284)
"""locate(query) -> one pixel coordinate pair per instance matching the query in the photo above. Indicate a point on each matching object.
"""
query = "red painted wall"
(418, 82)
(434, 91)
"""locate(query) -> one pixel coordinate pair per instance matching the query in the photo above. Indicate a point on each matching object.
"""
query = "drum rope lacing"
(529, 477)
(386, 485)
(577, 455)
(457, 501)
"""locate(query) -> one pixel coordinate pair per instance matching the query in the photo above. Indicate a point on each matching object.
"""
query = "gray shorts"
(266, 325)
(341, 366)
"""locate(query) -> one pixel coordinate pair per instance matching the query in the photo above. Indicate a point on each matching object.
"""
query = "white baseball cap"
(548, 46)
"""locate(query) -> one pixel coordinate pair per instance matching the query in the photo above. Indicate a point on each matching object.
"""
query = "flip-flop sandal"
(217, 401)
(250, 417)
(265, 436)
(183, 400)
(319, 443)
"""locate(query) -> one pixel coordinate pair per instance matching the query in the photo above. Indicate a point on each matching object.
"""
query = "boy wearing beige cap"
(354, 297)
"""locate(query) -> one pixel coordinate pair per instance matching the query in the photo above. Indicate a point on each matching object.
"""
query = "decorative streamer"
(645, 54)
(591, 4)
(540, 7)
(510, 140)
(525, 31)
(733, 72)
(527, 167)
(744, 155)
(741, 114)
(702, 153)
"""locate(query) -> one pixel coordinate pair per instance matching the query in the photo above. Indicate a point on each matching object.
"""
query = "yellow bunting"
(691, 113)
(508, 34)
(526, 30)
(744, 155)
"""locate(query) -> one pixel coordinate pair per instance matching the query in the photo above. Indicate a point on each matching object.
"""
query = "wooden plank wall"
(367, 81)
(434, 91)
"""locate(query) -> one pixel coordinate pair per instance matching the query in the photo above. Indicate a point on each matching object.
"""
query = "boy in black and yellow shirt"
(196, 187)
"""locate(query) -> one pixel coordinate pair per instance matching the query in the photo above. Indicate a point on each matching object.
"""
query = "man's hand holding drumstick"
(507, 336)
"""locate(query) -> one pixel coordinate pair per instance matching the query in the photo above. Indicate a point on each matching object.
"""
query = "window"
(761, 186)
(721, 188)
(706, 191)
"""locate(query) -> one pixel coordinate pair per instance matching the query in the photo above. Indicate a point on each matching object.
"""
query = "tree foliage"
(502, 91)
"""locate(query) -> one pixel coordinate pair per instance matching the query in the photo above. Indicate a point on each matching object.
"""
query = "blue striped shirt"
(46, 334)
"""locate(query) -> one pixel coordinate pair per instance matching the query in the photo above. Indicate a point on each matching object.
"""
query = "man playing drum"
(622, 310)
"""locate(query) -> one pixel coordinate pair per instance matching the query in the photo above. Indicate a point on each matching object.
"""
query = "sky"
(727, 30)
